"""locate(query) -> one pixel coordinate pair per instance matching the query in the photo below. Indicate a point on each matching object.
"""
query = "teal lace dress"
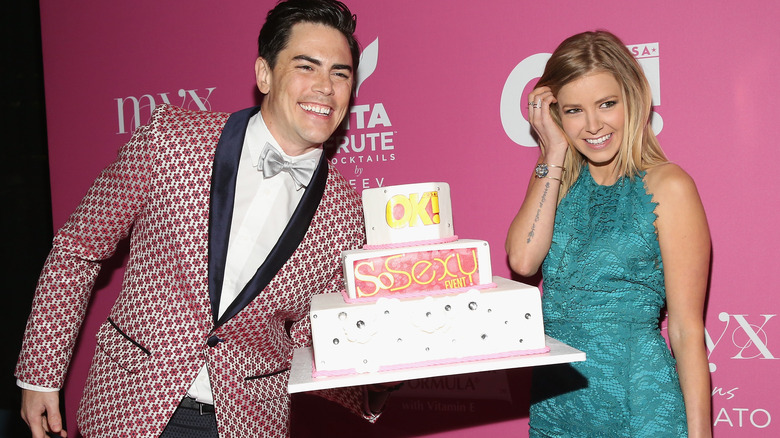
(603, 294)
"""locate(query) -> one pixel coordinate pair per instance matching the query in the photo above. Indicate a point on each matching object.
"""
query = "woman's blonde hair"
(601, 51)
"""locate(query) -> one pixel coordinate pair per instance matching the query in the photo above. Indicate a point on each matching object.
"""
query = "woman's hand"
(551, 137)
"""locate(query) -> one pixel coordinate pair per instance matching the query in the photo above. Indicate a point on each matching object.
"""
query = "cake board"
(301, 379)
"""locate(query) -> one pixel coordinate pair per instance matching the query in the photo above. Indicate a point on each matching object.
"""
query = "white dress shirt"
(261, 211)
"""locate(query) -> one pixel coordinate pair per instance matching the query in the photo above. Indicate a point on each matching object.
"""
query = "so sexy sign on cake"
(433, 259)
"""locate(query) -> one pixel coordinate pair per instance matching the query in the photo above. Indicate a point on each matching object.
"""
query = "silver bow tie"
(273, 163)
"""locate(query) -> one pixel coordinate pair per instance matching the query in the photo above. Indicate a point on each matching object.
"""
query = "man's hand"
(378, 394)
(41, 412)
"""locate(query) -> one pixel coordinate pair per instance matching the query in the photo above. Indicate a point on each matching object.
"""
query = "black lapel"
(288, 242)
(223, 190)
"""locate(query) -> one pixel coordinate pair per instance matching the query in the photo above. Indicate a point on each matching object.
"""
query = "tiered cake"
(415, 295)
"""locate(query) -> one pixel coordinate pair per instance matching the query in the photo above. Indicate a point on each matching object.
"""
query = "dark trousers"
(190, 420)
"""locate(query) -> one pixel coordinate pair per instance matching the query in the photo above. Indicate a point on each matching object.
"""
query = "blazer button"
(213, 341)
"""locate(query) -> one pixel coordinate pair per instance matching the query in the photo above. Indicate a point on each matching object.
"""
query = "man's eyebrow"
(307, 59)
(317, 62)
(342, 67)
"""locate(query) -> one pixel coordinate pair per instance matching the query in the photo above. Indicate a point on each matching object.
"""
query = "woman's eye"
(608, 104)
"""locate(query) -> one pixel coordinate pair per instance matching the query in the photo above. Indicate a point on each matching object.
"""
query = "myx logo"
(365, 138)
(517, 126)
(741, 337)
(129, 108)
(744, 336)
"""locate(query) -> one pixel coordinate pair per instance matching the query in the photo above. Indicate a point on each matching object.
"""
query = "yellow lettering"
(454, 284)
(435, 207)
(446, 269)
(419, 210)
(417, 276)
(405, 274)
(413, 207)
(460, 266)
(398, 201)
(375, 280)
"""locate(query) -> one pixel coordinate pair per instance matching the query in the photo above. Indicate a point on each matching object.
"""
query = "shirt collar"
(257, 135)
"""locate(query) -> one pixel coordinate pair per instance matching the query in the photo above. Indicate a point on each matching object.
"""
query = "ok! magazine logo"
(413, 210)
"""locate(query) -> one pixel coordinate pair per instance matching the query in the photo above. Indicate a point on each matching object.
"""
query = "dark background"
(25, 199)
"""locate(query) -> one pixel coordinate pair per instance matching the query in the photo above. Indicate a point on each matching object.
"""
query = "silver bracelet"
(542, 169)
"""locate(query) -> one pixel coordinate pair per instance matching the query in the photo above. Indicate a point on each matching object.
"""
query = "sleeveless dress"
(603, 294)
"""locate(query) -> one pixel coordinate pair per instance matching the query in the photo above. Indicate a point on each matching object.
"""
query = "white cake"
(415, 295)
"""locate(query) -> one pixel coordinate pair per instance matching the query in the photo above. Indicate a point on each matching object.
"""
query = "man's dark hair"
(275, 33)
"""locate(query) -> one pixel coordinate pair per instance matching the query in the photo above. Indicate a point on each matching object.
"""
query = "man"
(236, 221)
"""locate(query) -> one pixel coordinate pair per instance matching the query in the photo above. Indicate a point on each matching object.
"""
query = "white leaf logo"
(368, 61)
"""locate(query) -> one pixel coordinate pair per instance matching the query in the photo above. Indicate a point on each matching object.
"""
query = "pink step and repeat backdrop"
(440, 98)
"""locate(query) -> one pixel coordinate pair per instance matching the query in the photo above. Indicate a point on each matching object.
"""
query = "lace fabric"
(603, 294)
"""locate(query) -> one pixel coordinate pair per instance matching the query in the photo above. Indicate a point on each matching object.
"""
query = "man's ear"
(263, 75)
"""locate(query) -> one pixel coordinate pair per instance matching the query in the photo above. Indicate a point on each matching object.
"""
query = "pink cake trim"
(350, 371)
(427, 293)
(464, 359)
(334, 373)
(415, 243)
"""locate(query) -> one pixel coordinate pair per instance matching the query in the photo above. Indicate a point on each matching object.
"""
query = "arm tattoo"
(538, 212)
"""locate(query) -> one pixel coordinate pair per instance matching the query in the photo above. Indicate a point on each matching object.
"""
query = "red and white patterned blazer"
(172, 185)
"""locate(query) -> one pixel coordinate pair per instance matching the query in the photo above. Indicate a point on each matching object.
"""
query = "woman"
(620, 233)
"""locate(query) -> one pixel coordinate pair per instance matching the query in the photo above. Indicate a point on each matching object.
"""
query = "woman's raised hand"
(551, 137)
